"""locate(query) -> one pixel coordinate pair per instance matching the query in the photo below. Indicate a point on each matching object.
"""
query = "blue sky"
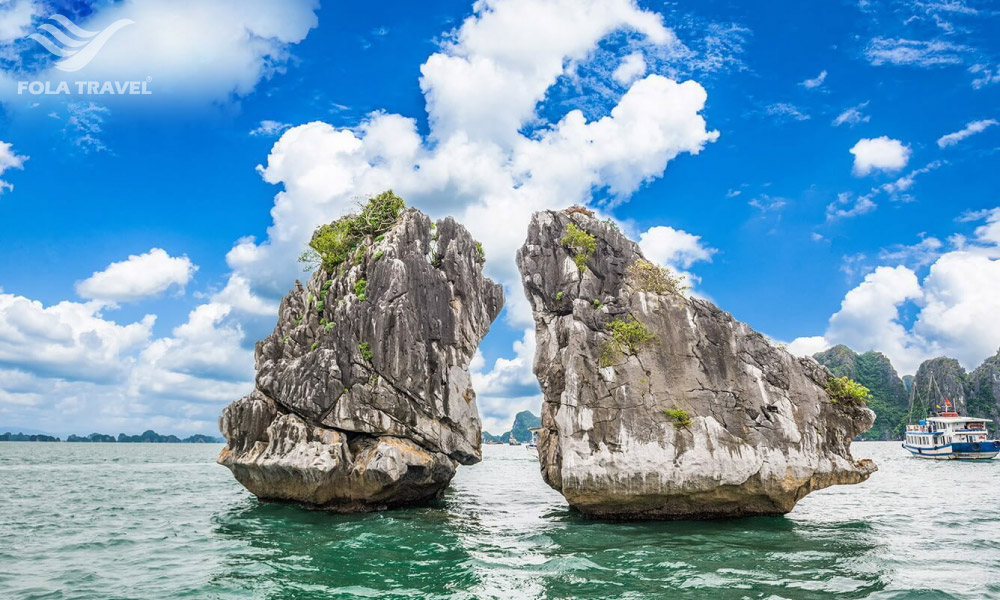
(829, 175)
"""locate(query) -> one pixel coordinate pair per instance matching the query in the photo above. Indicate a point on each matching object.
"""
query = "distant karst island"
(520, 430)
(147, 437)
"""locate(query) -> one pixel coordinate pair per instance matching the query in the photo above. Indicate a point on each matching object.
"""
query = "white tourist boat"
(948, 436)
(945, 435)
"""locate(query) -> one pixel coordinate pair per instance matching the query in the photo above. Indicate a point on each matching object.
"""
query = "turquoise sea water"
(107, 521)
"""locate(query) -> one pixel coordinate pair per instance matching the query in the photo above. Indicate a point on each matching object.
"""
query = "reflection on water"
(105, 521)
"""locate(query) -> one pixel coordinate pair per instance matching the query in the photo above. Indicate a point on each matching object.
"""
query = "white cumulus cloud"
(140, 276)
(508, 387)
(204, 361)
(954, 305)
(631, 68)
(68, 340)
(673, 247)
(879, 154)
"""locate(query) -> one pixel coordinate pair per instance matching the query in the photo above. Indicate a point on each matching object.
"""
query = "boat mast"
(913, 394)
(930, 382)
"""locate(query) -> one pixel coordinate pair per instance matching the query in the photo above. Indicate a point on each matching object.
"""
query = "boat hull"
(939, 453)
(957, 451)
(976, 450)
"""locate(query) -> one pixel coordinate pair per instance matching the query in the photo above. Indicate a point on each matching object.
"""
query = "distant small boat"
(533, 444)
(513, 441)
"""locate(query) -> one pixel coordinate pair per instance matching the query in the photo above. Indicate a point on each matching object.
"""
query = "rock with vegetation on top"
(659, 406)
(363, 398)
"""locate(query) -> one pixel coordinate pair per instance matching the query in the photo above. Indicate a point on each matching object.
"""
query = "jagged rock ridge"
(661, 406)
(363, 398)
(949, 381)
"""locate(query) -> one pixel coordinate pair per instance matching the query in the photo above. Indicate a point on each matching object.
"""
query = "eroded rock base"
(278, 456)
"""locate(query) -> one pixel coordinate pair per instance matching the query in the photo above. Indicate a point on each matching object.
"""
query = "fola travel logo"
(77, 47)
(75, 52)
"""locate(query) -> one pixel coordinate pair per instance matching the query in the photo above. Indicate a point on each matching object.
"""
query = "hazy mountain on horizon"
(148, 437)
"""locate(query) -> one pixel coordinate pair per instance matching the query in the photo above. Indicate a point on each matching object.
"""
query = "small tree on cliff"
(647, 277)
(333, 243)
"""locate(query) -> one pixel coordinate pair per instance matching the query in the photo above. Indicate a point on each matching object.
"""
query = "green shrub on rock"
(628, 334)
(379, 214)
(680, 417)
(330, 245)
(333, 243)
(845, 389)
(580, 243)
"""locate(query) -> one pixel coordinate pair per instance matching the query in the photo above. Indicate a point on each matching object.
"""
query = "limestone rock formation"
(939, 379)
(662, 406)
(984, 390)
(363, 398)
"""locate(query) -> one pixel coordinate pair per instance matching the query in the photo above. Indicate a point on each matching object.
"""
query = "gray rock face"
(705, 418)
(939, 379)
(984, 390)
(363, 398)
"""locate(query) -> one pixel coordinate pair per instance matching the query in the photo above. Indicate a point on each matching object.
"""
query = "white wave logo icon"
(73, 44)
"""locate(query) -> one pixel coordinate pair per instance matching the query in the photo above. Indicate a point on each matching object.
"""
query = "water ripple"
(101, 521)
